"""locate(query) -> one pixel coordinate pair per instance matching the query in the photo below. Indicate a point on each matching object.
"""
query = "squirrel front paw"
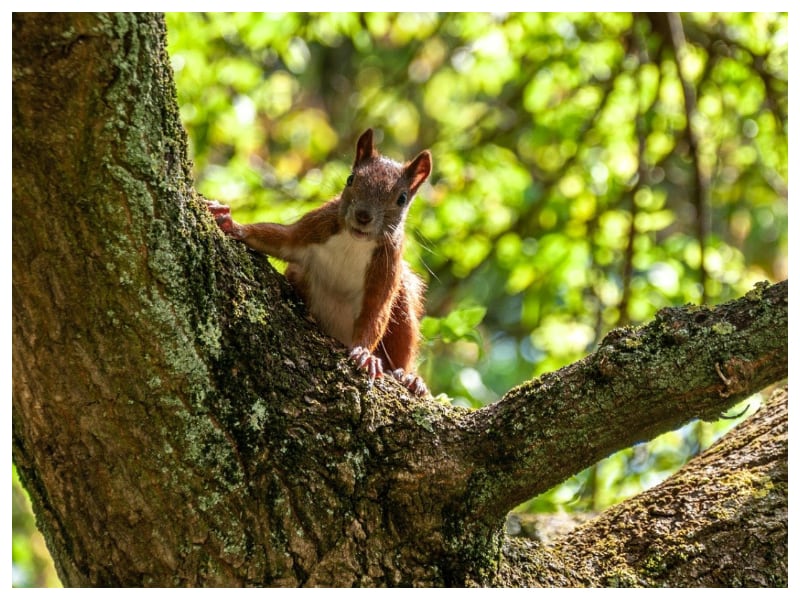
(364, 359)
(222, 215)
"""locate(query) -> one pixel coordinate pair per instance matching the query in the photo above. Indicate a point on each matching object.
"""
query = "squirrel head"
(379, 191)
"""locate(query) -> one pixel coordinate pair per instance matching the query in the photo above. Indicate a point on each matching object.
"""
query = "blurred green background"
(583, 178)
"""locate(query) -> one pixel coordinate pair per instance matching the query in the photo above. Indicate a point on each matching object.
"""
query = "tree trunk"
(177, 420)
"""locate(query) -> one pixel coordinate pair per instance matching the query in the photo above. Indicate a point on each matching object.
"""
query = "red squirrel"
(346, 261)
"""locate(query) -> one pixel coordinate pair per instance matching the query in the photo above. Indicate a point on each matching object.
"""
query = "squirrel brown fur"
(346, 261)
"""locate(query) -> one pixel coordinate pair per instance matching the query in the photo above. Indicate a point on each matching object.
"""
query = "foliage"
(31, 565)
(562, 197)
(583, 177)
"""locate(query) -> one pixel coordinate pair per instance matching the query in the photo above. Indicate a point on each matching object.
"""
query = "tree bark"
(177, 420)
(719, 522)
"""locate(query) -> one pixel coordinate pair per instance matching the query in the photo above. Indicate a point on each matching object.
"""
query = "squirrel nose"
(364, 217)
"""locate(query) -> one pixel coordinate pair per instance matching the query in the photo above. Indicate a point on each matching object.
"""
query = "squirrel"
(345, 261)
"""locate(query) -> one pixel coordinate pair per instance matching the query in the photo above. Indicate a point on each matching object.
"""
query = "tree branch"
(639, 383)
(720, 521)
(700, 191)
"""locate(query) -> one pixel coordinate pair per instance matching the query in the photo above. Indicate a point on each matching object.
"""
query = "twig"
(700, 196)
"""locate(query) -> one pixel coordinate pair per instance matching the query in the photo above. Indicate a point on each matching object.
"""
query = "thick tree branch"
(720, 521)
(741, 535)
(691, 362)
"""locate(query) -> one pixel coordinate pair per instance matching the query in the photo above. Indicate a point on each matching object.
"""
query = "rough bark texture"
(178, 422)
(719, 522)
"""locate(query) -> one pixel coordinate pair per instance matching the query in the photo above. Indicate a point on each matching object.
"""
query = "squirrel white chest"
(334, 274)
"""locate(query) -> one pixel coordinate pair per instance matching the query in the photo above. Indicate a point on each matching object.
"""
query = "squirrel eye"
(350, 180)
(402, 199)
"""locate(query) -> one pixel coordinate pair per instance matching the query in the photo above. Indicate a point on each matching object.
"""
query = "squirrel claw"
(414, 383)
(217, 209)
(364, 359)
(222, 215)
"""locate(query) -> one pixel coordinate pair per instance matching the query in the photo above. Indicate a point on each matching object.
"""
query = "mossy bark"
(178, 421)
(721, 521)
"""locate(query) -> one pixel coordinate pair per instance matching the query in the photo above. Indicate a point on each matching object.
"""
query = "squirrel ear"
(364, 147)
(418, 170)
